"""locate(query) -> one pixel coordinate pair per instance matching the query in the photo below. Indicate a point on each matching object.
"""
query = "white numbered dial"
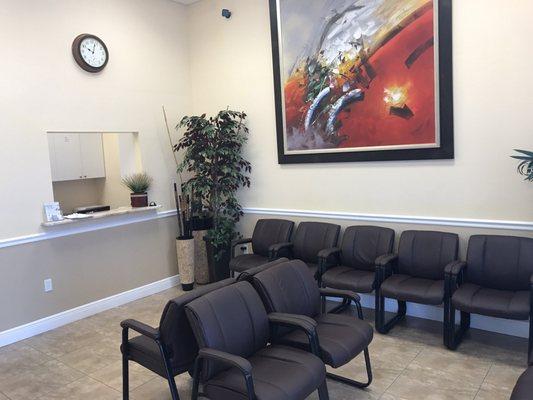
(93, 52)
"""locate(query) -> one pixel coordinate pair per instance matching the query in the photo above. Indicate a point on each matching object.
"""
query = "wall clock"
(90, 52)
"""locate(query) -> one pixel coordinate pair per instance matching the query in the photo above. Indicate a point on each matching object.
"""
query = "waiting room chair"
(352, 266)
(290, 288)
(169, 350)
(267, 233)
(309, 240)
(235, 360)
(415, 274)
(496, 280)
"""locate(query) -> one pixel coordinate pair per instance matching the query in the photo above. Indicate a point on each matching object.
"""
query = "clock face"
(93, 52)
(90, 53)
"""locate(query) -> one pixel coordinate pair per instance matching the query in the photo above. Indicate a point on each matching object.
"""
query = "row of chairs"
(496, 280)
(262, 335)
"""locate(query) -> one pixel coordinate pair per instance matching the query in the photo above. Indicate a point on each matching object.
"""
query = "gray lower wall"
(84, 268)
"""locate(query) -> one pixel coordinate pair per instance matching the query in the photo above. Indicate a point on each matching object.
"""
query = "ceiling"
(185, 1)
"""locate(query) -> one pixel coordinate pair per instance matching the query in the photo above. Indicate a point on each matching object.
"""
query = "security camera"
(226, 13)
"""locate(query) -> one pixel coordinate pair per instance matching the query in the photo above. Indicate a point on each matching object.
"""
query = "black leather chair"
(235, 362)
(267, 233)
(496, 280)
(524, 387)
(415, 274)
(353, 265)
(289, 288)
(169, 350)
(310, 238)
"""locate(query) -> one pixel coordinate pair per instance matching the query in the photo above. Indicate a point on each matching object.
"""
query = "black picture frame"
(446, 150)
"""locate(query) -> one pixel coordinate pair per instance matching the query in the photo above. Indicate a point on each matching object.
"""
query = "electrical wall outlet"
(48, 287)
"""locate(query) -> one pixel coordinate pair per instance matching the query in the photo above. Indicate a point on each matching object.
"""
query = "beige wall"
(42, 89)
(231, 65)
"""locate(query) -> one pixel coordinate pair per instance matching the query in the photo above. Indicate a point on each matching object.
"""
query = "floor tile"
(111, 375)
(499, 382)
(85, 388)
(422, 388)
(92, 358)
(30, 382)
(158, 389)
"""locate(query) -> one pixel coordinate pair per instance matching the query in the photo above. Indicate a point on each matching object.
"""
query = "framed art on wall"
(362, 80)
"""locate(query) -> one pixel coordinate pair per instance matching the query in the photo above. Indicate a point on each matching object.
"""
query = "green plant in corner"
(213, 154)
(137, 183)
(525, 167)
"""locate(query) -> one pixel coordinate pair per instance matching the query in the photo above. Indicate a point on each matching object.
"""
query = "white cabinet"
(76, 156)
(92, 156)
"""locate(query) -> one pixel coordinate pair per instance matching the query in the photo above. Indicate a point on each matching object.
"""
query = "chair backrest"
(268, 232)
(311, 237)
(361, 245)
(232, 319)
(424, 254)
(289, 287)
(250, 273)
(176, 333)
(500, 262)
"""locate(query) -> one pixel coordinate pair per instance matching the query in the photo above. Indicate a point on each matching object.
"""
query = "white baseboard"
(66, 317)
(497, 325)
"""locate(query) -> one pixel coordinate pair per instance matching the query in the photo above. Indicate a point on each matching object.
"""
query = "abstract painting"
(362, 80)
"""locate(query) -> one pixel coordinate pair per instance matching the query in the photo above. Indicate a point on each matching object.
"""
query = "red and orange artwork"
(358, 76)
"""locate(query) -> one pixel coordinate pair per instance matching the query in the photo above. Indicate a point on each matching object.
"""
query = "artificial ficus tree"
(213, 155)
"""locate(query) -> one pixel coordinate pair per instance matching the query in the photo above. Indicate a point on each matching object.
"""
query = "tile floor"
(82, 361)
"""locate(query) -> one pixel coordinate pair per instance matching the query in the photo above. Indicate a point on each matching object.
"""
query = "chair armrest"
(327, 258)
(341, 294)
(385, 266)
(279, 250)
(455, 268)
(293, 321)
(237, 242)
(141, 328)
(387, 259)
(302, 322)
(327, 253)
(242, 364)
(226, 358)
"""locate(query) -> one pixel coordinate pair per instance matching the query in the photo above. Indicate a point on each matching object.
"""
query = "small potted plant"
(138, 184)
(525, 167)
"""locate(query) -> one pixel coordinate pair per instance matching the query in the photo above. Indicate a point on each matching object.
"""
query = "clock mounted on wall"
(90, 52)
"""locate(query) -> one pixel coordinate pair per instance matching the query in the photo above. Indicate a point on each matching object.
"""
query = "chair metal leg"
(323, 393)
(455, 336)
(125, 377)
(354, 383)
(530, 346)
(383, 326)
(196, 379)
(170, 375)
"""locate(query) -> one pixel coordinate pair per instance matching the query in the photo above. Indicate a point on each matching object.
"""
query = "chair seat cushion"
(416, 290)
(341, 337)
(246, 261)
(279, 373)
(347, 278)
(145, 351)
(495, 303)
(524, 387)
